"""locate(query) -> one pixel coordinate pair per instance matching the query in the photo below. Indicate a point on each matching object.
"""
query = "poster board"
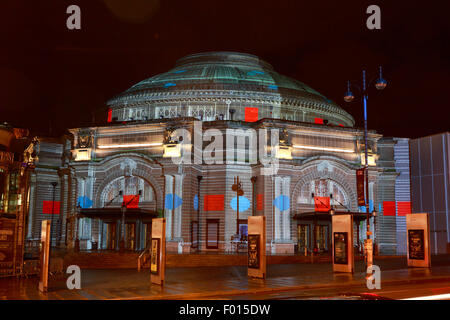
(342, 239)
(418, 240)
(256, 264)
(158, 251)
(44, 255)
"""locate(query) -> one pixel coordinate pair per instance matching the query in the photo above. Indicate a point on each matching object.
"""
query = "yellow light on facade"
(323, 148)
(82, 154)
(284, 152)
(130, 145)
(172, 151)
(371, 160)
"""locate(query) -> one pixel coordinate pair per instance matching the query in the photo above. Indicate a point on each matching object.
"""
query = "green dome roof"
(223, 67)
(214, 73)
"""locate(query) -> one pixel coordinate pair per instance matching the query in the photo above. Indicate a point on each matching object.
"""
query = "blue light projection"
(282, 202)
(179, 71)
(254, 72)
(171, 203)
(272, 86)
(169, 84)
(244, 204)
(196, 202)
(84, 202)
(363, 208)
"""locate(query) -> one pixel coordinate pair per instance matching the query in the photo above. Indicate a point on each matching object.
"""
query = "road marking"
(435, 297)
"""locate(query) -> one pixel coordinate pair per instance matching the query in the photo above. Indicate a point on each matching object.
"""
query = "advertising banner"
(158, 251)
(360, 175)
(418, 240)
(256, 247)
(342, 226)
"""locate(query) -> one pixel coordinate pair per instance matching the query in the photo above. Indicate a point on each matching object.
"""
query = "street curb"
(219, 294)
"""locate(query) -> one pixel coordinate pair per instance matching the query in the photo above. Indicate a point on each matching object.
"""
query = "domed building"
(175, 144)
(224, 85)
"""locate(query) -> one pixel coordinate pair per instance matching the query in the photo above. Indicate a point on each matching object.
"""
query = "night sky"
(54, 77)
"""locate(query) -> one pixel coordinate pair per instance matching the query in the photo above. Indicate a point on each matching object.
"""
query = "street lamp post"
(379, 85)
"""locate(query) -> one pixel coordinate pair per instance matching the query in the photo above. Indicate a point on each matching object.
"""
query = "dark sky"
(49, 74)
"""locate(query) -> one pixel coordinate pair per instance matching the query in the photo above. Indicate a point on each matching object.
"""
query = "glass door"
(302, 236)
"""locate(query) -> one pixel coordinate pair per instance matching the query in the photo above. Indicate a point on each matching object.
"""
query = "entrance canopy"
(326, 216)
(114, 214)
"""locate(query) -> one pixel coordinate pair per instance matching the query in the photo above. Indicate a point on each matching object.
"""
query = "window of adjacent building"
(212, 233)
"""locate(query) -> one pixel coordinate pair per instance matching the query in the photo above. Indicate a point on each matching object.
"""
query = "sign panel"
(340, 247)
(416, 244)
(342, 226)
(154, 256)
(256, 247)
(253, 251)
(158, 251)
(418, 240)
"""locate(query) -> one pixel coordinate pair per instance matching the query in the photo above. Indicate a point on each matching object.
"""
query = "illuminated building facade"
(215, 96)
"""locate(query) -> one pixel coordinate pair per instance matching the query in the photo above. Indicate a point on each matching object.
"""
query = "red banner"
(389, 208)
(322, 204)
(260, 202)
(109, 115)
(251, 114)
(318, 120)
(213, 202)
(131, 201)
(403, 208)
(50, 207)
(360, 175)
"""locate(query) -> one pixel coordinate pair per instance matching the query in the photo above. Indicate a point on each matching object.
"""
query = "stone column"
(168, 212)
(286, 214)
(277, 220)
(178, 217)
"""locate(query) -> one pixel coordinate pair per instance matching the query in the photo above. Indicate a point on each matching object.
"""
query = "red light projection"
(260, 202)
(251, 114)
(322, 204)
(131, 201)
(50, 207)
(109, 115)
(389, 208)
(403, 208)
(213, 202)
(318, 120)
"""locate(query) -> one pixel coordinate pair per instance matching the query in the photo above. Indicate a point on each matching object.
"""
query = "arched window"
(323, 188)
(129, 186)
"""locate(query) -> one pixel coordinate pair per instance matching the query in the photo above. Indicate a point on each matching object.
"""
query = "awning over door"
(114, 214)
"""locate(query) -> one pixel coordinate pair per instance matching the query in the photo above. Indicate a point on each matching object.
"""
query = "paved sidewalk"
(213, 282)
